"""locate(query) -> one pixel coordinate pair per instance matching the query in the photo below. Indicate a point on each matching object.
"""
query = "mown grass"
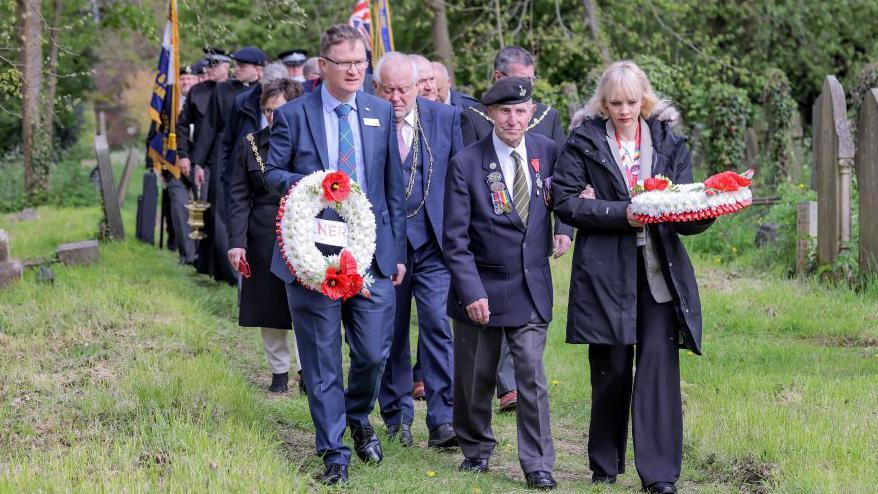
(132, 376)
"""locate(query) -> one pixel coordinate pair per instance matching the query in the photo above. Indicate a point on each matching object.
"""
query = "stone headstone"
(4, 246)
(11, 270)
(867, 181)
(806, 230)
(108, 189)
(833, 159)
(78, 253)
(130, 163)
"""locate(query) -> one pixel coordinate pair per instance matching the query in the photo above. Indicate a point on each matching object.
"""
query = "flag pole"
(175, 89)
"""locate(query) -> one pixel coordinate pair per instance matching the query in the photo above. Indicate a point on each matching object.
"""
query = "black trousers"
(652, 395)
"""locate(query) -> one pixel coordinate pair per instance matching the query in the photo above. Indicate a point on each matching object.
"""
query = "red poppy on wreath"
(336, 285)
(655, 183)
(347, 265)
(727, 181)
(336, 186)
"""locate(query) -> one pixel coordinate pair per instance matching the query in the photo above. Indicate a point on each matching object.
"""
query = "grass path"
(132, 376)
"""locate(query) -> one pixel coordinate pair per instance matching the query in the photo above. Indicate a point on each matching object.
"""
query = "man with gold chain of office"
(513, 61)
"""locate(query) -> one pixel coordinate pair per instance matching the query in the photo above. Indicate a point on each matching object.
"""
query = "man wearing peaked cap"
(497, 237)
(295, 61)
(212, 258)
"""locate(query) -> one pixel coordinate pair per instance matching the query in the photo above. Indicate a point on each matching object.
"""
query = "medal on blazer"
(500, 200)
(535, 164)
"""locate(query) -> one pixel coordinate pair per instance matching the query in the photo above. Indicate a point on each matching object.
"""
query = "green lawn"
(132, 376)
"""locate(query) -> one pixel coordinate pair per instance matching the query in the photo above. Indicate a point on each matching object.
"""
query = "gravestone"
(108, 189)
(867, 180)
(833, 159)
(11, 270)
(806, 230)
(78, 253)
(126, 176)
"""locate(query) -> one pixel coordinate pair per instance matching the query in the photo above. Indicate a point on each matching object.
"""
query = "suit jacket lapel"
(314, 114)
(489, 156)
(534, 198)
(367, 136)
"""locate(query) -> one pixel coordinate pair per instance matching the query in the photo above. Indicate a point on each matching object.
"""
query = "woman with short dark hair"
(252, 215)
(633, 295)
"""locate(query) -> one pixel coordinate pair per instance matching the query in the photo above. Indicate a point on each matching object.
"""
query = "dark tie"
(347, 160)
(520, 195)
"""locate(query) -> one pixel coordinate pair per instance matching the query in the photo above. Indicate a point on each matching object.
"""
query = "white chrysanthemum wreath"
(339, 276)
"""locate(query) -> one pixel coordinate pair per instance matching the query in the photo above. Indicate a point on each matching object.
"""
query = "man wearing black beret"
(497, 237)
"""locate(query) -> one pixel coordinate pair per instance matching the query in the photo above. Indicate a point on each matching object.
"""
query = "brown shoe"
(508, 401)
(418, 391)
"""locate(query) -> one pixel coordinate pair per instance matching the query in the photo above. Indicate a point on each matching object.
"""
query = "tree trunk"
(441, 38)
(52, 75)
(31, 78)
(594, 30)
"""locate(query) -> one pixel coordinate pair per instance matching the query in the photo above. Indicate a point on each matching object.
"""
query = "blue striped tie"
(347, 160)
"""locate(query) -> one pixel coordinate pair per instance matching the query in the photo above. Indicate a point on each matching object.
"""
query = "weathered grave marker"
(11, 270)
(126, 176)
(867, 180)
(78, 253)
(834, 158)
(108, 189)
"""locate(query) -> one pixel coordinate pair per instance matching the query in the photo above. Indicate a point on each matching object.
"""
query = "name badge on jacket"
(371, 122)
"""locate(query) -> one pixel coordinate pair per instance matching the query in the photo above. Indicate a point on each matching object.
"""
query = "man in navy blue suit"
(428, 135)
(497, 239)
(342, 128)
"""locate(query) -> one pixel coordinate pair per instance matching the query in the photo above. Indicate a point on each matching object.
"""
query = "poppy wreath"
(338, 276)
(658, 200)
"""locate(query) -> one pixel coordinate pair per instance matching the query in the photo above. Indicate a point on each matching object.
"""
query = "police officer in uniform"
(295, 63)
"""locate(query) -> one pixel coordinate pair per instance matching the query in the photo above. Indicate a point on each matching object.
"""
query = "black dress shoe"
(442, 436)
(335, 473)
(599, 478)
(401, 433)
(540, 480)
(279, 382)
(661, 488)
(301, 380)
(476, 465)
(366, 443)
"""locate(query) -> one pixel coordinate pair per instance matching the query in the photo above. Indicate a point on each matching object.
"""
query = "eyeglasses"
(360, 65)
(533, 80)
(268, 111)
(425, 80)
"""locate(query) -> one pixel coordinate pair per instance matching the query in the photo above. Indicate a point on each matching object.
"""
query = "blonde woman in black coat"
(633, 294)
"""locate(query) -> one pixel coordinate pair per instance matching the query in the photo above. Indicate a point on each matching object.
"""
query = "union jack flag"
(361, 19)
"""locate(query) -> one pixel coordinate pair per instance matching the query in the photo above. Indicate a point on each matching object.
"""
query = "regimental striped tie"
(520, 194)
(347, 160)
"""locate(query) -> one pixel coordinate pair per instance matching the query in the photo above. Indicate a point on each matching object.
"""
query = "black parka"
(602, 308)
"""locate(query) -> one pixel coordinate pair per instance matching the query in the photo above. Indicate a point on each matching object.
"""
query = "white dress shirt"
(408, 129)
(507, 164)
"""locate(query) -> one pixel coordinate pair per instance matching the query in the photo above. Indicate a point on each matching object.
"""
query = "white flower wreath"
(336, 276)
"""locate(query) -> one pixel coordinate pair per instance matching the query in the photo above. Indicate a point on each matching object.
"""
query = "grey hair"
(395, 57)
(311, 66)
(273, 72)
(420, 59)
(445, 72)
(510, 55)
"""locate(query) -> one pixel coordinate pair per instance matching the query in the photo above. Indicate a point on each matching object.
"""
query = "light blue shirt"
(330, 126)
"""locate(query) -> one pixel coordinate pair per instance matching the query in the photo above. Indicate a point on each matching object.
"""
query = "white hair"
(394, 57)
(273, 72)
(444, 70)
(311, 67)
